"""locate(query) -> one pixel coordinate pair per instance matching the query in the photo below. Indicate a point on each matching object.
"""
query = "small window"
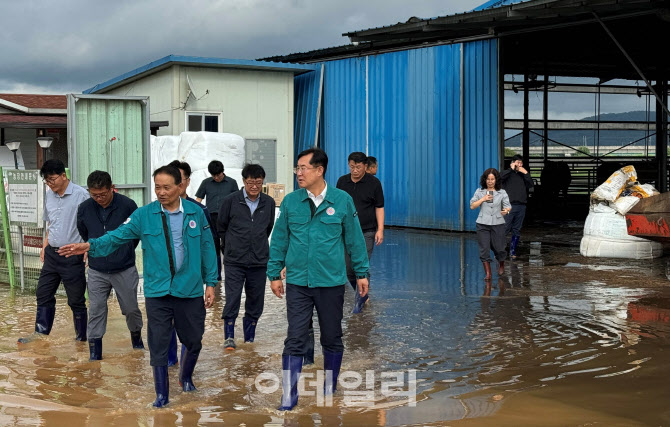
(197, 122)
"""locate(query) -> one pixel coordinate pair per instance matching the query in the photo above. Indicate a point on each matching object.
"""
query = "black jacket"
(517, 185)
(91, 225)
(244, 238)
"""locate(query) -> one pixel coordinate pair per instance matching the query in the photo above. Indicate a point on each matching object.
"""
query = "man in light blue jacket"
(179, 257)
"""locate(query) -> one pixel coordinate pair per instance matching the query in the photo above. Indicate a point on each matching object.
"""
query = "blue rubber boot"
(44, 320)
(291, 368)
(229, 334)
(95, 349)
(512, 246)
(172, 350)
(136, 340)
(249, 326)
(188, 361)
(308, 358)
(359, 302)
(80, 318)
(162, 386)
(331, 366)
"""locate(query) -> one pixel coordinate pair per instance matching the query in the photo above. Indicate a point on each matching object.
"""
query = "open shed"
(427, 98)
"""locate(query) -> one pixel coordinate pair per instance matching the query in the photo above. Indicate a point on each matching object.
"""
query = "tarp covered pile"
(198, 149)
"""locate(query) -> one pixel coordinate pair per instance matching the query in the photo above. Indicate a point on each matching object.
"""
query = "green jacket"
(312, 249)
(146, 224)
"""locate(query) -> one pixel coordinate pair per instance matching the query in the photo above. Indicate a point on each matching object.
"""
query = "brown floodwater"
(558, 340)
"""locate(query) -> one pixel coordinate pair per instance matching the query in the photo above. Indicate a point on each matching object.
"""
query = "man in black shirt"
(366, 190)
(214, 190)
(106, 210)
(516, 181)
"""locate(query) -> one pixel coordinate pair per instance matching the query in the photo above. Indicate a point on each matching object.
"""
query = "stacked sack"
(605, 230)
(198, 149)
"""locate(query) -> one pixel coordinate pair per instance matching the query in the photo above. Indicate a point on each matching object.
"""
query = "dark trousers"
(217, 244)
(252, 279)
(71, 271)
(188, 317)
(369, 245)
(491, 238)
(300, 302)
(514, 220)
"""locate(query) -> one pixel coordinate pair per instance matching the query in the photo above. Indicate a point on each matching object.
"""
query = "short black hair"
(183, 166)
(319, 157)
(215, 167)
(487, 172)
(358, 157)
(98, 180)
(253, 171)
(52, 167)
(169, 170)
(372, 160)
(517, 157)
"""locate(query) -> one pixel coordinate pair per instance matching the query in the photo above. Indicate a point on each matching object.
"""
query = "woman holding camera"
(493, 204)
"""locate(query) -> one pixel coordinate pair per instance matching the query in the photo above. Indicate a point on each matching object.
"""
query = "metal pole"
(6, 232)
(662, 138)
(526, 134)
(21, 255)
(545, 119)
(16, 161)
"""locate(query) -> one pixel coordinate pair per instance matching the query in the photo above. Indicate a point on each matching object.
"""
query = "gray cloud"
(70, 45)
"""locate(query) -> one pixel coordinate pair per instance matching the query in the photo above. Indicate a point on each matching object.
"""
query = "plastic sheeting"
(198, 149)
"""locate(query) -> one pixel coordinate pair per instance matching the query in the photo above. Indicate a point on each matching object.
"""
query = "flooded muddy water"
(558, 340)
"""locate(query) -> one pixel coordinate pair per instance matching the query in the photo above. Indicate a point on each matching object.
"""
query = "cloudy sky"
(56, 47)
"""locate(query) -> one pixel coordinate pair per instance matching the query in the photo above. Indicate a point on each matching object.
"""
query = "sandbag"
(608, 225)
(615, 184)
(624, 204)
(593, 246)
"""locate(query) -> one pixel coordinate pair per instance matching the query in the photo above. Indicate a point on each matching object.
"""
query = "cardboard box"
(276, 191)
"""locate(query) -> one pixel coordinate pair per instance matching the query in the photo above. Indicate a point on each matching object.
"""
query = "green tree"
(582, 151)
(509, 152)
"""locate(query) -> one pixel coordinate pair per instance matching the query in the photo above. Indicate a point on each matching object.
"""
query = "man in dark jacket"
(516, 181)
(106, 210)
(244, 223)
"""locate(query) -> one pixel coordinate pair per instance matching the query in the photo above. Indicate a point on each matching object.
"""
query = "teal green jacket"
(312, 249)
(146, 224)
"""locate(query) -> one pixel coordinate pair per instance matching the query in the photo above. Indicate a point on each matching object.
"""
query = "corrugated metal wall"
(94, 123)
(405, 109)
(480, 61)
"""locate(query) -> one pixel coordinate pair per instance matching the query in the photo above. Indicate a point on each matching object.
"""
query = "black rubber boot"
(162, 386)
(95, 349)
(249, 326)
(80, 318)
(188, 361)
(44, 320)
(136, 340)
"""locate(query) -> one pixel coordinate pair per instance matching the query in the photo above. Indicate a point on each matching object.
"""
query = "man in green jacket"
(315, 226)
(179, 257)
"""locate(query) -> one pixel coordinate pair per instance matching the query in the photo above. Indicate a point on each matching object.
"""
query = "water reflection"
(474, 345)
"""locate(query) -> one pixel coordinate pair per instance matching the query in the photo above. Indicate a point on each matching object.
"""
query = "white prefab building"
(253, 99)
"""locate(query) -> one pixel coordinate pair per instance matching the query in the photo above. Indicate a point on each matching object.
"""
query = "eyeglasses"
(253, 184)
(301, 169)
(100, 196)
(51, 181)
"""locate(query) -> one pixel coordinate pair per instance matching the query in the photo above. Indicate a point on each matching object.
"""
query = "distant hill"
(588, 137)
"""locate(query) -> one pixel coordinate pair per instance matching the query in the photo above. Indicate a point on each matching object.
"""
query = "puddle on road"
(551, 343)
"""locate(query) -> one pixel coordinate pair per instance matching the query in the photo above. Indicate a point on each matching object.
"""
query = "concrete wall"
(253, 104)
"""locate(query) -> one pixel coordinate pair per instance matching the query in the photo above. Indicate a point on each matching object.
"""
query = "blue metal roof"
(169, 60)
(492, 4)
